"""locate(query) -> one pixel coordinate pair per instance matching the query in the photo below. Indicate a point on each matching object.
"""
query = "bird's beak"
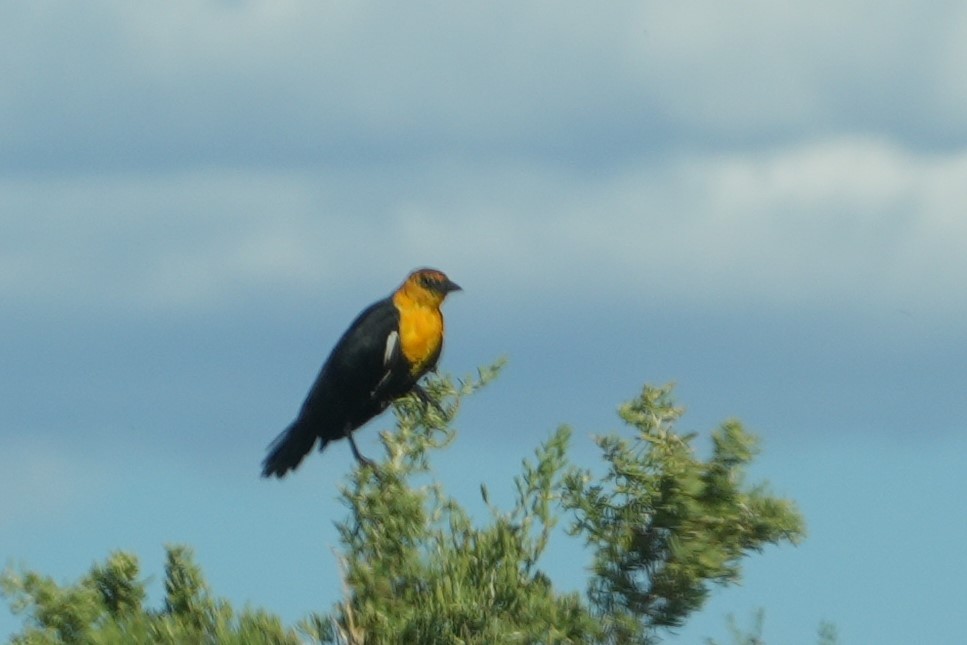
(451, 286)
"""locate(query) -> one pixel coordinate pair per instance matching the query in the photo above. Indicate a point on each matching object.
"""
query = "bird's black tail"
(288, 449)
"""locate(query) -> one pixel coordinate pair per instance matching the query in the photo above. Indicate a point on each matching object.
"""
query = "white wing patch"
(392, 342)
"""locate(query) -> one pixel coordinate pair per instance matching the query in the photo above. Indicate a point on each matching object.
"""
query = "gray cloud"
(115, 85)
(857, 222)
(796, 69)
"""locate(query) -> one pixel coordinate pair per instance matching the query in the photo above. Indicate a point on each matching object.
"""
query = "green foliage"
(754, 636)
(828, 634)
(419, 571)
(105, 607)
(662, 524)
(742, 637)
(663, 527)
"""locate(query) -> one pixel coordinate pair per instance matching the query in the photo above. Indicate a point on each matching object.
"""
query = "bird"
(381, 357)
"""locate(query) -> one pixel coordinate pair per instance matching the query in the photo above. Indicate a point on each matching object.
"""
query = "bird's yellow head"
(427, 287)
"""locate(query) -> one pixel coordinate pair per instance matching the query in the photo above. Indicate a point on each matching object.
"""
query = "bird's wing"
(368, 357)
(363, 360)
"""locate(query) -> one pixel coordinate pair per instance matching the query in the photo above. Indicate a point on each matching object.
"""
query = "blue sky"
(763, 202)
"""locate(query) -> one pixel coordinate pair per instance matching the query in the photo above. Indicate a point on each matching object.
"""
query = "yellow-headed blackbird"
(382, 355)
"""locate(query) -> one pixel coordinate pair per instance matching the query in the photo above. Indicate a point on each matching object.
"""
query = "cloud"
(856, 223)
(110, 85)
(186, 156)
(844, 222)
(116, 241)
(195, 240)
(767, 71)
(248, 82)
(847, 222)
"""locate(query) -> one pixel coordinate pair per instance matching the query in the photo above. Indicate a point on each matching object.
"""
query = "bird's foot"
(426, 399)
(363, 461)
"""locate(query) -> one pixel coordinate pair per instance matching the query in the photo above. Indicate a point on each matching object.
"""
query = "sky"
(762, 202)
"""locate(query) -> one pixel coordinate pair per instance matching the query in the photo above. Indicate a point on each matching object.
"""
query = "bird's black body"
(366, 370)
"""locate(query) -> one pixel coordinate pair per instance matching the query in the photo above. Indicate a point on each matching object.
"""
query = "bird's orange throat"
(421, 332)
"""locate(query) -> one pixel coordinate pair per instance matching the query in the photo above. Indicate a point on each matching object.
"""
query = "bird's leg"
(363, 461)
